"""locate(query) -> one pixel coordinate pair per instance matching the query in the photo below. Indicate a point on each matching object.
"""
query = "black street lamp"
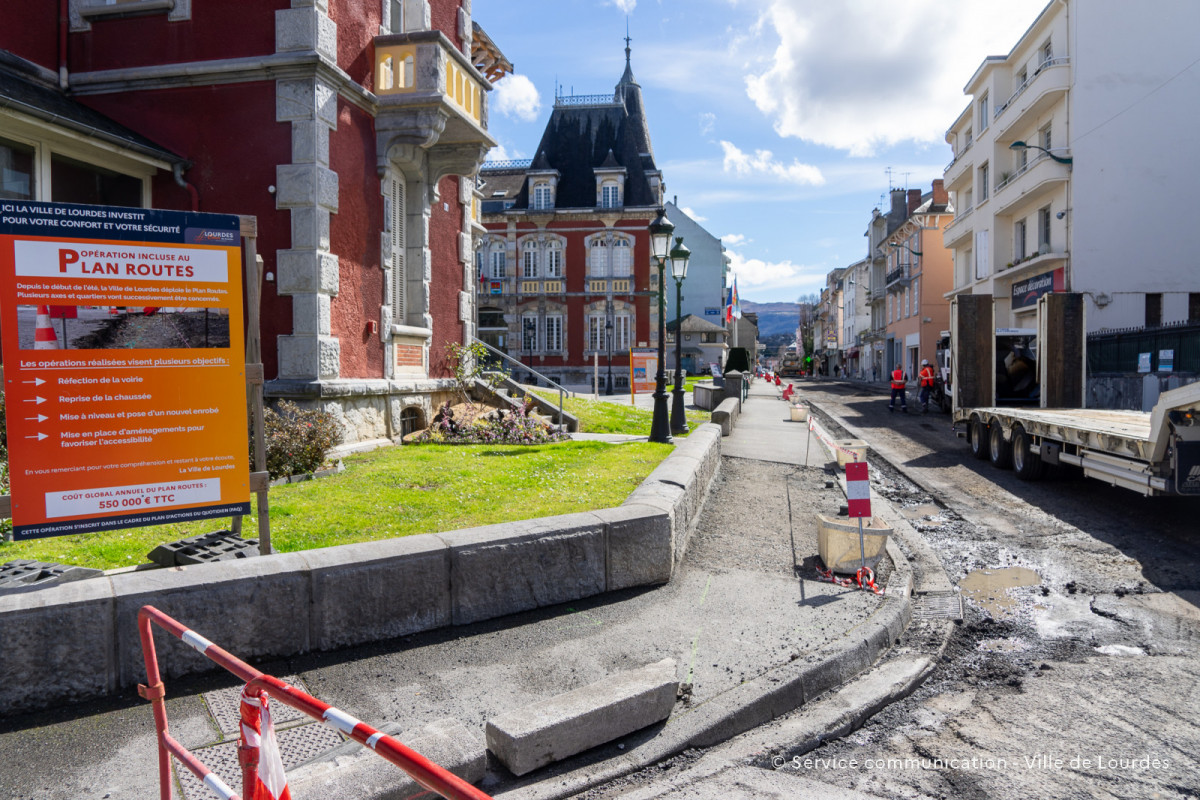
(679, 264)
(529, 334)
(1019, 145)
(660, 239)
(608, 329)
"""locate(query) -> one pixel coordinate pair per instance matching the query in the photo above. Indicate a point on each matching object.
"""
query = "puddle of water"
(989, 587)
(923, 510)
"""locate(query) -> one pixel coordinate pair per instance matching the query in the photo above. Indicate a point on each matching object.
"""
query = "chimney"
(940, 197)
(914, 200)
(897, 204)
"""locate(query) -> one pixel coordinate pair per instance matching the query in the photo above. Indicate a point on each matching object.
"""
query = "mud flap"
(1187, 467)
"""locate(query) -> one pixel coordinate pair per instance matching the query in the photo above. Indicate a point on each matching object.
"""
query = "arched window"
(529, 259)
(622, 258)
(554, 259)
(598, 258)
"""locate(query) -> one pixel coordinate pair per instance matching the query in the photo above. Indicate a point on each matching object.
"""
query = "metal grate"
(223, 705)
(296, 745)
(940, 605)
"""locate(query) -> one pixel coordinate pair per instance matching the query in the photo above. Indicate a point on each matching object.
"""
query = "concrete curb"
(80, 640)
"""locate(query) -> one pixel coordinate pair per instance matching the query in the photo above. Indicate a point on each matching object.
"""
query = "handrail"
(424, 772)
(562, 390)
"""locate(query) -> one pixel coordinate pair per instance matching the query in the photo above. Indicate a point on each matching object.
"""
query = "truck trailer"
(1019, 396)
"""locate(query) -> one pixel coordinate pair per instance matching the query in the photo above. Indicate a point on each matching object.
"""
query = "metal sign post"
(858, 499)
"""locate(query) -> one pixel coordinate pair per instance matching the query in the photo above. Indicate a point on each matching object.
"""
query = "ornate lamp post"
(608, 330)
(679, 264)
(660, 239)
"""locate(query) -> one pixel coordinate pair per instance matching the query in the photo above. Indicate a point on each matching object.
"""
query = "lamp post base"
(679, 423)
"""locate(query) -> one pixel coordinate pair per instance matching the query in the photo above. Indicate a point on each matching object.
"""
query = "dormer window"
(543, 196)
(610, 195)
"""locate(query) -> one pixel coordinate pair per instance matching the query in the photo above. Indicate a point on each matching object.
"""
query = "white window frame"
(985, 116)
(622, 324)
(553, 342)
(48, 142)
(529, 333)
(596, 339)
(610, 194)
(543, 196)
(1020, 239)
(981, 255)
(396, 208)
(984, 177)
(598, 252)
(1044, 230)
(622, 258)
(529, 261)
(916, 296)
(554, 259)
(498, 259)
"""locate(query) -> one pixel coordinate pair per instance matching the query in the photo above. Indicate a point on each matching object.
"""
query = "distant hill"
(774, 318)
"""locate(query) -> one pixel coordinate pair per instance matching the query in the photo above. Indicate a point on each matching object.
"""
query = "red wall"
(30, 30)
(210, 127)
(444, 14)
(357, 26)
(447, 282)
(354, 239)
(218, 29)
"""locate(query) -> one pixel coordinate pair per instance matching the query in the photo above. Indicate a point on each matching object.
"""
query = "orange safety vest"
(927, 376)
(898, 379)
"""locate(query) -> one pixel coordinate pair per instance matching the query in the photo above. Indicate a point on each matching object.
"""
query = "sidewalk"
(752, 632)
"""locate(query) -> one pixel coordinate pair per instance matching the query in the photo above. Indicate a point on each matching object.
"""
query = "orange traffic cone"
(44, 337)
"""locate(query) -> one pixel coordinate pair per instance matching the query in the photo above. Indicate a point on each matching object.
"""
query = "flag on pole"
(734, 309)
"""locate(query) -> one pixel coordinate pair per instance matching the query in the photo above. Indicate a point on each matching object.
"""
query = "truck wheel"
(999, 451)
(979, 447)
(1027, 464)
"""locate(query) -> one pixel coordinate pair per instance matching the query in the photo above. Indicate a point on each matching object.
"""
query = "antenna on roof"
(906, 174)
(889, 174)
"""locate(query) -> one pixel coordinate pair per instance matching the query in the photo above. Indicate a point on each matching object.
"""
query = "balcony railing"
(585, 100)
(512, 163)
(1050, 62)
(960, 153)
(898, 275)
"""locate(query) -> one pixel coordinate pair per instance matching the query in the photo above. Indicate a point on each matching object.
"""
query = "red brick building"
(351, 129)
(565, 268)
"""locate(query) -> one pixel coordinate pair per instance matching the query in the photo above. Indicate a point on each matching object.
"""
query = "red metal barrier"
(424, 772)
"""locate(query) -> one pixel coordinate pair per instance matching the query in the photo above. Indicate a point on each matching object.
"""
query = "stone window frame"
(83, 13)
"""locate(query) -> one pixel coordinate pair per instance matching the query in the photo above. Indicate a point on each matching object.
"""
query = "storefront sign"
(1025, 293)
(132, 410)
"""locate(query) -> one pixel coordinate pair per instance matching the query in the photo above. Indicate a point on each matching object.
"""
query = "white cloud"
(626, 6)
(693, 214)
(734, 239)
(707, 121)
(517, 97)
(499, 153)
(858, 75)
(779, 278)
(763, 162)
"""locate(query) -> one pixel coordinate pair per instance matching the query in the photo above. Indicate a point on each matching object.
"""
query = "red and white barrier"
(858, 489)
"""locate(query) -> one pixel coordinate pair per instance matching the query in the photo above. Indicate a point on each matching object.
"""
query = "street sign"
(858, 489)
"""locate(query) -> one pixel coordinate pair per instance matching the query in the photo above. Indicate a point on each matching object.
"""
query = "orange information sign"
(643, 364)
(131, 409)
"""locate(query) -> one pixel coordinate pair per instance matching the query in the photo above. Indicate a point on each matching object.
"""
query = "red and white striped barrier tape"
(869, 583)
(828, 441)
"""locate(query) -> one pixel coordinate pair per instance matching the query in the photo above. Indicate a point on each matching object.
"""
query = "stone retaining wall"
(80, 640)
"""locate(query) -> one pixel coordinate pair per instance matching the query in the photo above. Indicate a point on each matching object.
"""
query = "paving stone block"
(570, 723)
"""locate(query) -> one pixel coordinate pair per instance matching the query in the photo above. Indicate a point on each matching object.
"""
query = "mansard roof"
(590, 132)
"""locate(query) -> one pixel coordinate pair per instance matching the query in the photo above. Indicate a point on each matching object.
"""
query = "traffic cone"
(44, 337)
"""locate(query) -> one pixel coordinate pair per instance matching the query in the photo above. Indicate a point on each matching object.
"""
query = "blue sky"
(775, 122)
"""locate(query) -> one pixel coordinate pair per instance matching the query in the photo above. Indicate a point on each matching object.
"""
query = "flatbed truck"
(1028, 425)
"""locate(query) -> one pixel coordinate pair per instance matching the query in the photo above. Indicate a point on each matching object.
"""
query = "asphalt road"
(1074, 672)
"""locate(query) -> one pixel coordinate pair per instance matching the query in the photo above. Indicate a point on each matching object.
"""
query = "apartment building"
(1073, 164)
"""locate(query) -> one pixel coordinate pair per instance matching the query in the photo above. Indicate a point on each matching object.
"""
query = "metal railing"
(1050, 62)
(585, 100)
(562, 390)
(513, 163)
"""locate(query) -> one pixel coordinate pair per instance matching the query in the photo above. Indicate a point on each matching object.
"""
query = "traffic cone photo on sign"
(44, 337)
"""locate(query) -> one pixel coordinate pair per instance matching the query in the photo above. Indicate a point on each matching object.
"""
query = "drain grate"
(223, 705)
(296, 745)
(942, 605)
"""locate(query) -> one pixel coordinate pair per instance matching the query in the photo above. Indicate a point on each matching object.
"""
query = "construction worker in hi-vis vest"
(898, 384)
(926, 377)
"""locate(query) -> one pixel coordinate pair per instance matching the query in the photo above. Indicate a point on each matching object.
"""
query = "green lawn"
(600, 416)
(399, 491)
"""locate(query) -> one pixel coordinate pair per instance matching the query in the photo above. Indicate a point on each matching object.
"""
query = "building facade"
(919, 274)
(351, 131)
(1073, 163)
(565, 275)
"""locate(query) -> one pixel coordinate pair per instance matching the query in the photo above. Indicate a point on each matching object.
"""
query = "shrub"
(297, 439)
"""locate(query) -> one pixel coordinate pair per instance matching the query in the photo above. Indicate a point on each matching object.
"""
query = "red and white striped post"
(44, 337)
(858, 499)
